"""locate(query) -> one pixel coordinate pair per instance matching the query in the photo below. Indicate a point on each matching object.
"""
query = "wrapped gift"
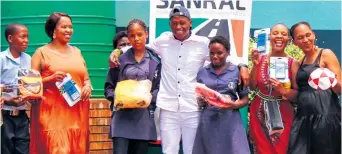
(212, 97)
(132, 94)
(30, 84)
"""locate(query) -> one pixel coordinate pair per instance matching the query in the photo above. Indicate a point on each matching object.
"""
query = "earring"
(54, 36)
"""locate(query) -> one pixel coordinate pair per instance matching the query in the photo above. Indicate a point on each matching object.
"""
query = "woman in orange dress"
(57, 128)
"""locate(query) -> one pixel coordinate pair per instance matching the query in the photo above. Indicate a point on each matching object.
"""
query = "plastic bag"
(273, 117)
(133, 94)
(212, 97)
(30, 84)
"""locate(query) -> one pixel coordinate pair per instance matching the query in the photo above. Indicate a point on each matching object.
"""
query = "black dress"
(317, 125)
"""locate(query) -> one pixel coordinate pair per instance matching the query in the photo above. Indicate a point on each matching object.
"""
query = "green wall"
(94, 26)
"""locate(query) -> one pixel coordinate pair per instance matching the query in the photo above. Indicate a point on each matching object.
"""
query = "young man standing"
(15, 136)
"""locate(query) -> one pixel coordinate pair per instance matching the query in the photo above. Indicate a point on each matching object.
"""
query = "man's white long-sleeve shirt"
(181, 62)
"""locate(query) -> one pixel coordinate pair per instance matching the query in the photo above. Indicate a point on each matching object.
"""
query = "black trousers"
(129, 146)
(15, 137)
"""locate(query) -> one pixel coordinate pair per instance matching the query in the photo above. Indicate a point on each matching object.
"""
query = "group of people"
(173, 62)
(314, 127)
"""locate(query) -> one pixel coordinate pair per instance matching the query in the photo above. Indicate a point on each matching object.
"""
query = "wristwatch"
(242, 65)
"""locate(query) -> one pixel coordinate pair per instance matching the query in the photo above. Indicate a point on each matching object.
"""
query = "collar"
(9, 55)
(231, 67)
(131, 55)
(193, 37)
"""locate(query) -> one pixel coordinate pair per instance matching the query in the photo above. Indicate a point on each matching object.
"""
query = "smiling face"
(180, 27)
(304, 38)
(63, 30)
(279, 38)
(218, 54)
(137, 36)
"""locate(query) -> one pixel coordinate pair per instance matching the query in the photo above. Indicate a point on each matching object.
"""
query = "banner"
(228, 18)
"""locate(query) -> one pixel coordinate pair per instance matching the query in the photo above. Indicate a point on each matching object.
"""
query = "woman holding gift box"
(55, 126)
(262, 140)
(132, 129)
(220, 129)
(316, 128)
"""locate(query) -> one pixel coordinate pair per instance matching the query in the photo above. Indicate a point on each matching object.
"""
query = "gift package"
(132, 94)
(273, 117)
(263, 40)
(279, 69)
(30, 84)
(69, 90)
(212, 97)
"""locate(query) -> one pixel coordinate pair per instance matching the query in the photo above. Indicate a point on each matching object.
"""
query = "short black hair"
(118, 37)
(11, 29)
(137, 21)
(52, 21)
(222, 40)
(296, 25)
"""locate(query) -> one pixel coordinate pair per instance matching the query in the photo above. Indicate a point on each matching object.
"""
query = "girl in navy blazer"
(132, 129)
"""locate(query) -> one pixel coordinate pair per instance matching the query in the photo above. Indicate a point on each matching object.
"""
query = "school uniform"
(15, 136)
(221, 131)
(132, 129)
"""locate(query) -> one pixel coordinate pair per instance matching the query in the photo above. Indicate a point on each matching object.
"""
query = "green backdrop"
(93, 23)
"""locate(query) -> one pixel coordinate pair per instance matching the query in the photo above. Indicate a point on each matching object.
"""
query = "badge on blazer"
(231, 86)
(155, 74)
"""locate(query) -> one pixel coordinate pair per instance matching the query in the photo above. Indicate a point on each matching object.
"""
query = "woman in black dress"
(317, 125)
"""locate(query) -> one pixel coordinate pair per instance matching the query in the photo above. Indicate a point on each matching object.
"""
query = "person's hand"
(114, 59)
(255, 57)
(201, 101)
(58, 76)
(14, 101)
(86, 92)
(34, 101)
(277, 85)
(244, 77)
(227, 103)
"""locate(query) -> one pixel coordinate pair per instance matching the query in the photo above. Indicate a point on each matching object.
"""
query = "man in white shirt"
(182, 55)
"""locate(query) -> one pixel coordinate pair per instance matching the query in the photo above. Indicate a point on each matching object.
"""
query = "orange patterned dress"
(57, 128)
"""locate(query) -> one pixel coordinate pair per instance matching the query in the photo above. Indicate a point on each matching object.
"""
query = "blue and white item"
(263, 40)
(69, 89)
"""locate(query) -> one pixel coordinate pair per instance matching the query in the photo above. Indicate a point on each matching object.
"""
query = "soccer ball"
(322, 79)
